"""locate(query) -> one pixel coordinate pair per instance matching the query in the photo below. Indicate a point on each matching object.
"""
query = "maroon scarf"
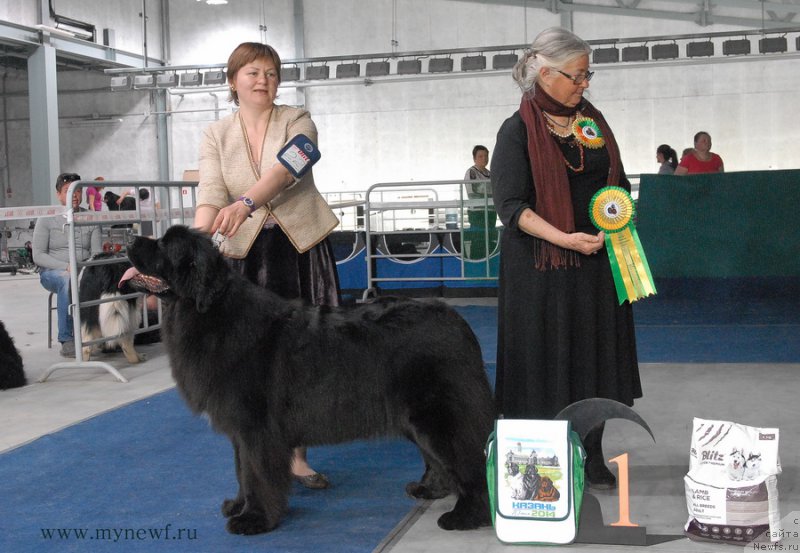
(553, 200)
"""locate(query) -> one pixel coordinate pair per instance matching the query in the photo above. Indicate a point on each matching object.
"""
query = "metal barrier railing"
(179, 210)
(457, 205)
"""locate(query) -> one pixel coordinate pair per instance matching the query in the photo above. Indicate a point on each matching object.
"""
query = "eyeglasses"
(578, 79)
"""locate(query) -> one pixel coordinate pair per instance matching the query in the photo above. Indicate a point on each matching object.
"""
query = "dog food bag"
(731, 486)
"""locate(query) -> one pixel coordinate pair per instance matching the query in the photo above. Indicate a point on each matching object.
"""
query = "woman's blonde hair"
(554, 47)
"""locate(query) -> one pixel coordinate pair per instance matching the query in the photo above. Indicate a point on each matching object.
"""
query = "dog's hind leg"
(435, 483)
(264, 483)
(456, 438)
(89, 333)
(126, 343)
(231, 507)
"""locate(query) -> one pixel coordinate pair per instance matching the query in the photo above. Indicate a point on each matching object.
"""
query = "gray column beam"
(162, 135)
(43, 106)
(299, 42)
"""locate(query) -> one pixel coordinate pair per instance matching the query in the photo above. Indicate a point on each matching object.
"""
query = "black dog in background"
(273, 375)
(12, 374)
(127, 204)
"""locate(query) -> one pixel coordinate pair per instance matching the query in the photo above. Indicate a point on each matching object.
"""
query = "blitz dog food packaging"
(732, 486)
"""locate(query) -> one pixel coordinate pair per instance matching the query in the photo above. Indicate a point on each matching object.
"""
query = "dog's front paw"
(249, 523)
(419, 491)
(456, 521)
(466, 515)
(231, 507)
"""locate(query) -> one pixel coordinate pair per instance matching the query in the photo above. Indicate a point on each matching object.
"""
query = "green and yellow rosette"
(611, 211)
(588, 133)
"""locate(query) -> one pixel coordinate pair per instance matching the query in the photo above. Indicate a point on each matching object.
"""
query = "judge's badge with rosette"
(588, 133)
(611, 210)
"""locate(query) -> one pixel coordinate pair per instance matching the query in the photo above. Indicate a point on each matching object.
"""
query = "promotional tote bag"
(534, 470)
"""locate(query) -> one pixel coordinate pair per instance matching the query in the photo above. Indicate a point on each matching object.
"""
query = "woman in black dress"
(562, 335)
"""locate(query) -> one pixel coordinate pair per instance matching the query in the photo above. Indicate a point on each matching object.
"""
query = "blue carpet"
(684, 330)
(151, 464)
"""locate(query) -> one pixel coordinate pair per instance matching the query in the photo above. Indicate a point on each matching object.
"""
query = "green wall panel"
(721, 225)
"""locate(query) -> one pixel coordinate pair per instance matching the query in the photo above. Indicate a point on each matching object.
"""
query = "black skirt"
(273, 263)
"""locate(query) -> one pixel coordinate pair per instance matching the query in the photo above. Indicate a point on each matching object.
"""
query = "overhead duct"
(87, 31)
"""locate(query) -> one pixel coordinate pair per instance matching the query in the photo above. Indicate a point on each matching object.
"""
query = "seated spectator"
(51, 253)
(701, 159)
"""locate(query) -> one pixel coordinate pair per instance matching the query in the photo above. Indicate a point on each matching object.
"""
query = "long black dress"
(562, 335)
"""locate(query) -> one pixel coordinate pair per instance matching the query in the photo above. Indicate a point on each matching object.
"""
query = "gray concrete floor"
(759, 395)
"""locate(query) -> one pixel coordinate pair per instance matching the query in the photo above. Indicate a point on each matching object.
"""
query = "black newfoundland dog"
(12, 374)
(273, 375)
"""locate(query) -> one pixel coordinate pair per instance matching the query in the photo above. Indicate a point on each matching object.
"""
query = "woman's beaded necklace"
(566, 137)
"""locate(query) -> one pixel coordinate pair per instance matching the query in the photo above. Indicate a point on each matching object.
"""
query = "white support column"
(43, 106)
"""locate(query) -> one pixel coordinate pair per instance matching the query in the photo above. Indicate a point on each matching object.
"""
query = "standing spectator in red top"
(702, 159)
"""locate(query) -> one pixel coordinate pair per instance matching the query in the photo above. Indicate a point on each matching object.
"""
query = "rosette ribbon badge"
(611, 211)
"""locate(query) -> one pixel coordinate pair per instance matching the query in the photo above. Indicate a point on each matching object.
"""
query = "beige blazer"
(226, 174)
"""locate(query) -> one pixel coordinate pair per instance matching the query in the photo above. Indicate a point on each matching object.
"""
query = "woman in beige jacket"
(275, 228)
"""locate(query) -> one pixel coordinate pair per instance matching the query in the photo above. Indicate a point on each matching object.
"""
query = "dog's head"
(110, 199)
(736, 458)
(183, 264)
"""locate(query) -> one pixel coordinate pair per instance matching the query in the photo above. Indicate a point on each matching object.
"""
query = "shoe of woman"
(316, 481)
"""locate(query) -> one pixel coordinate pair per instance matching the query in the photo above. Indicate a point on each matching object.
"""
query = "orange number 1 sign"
(624, 497)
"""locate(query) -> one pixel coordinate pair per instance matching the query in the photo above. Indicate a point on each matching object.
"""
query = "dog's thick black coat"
(273, 375)
(12, 375)
(119, 318)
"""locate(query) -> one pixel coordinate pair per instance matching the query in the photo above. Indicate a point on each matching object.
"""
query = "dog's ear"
(209, 278)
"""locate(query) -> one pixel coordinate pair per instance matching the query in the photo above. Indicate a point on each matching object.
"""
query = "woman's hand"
(586, 244)
(230, 218)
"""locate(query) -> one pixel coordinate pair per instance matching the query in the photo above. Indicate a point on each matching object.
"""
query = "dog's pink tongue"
(129, 274)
